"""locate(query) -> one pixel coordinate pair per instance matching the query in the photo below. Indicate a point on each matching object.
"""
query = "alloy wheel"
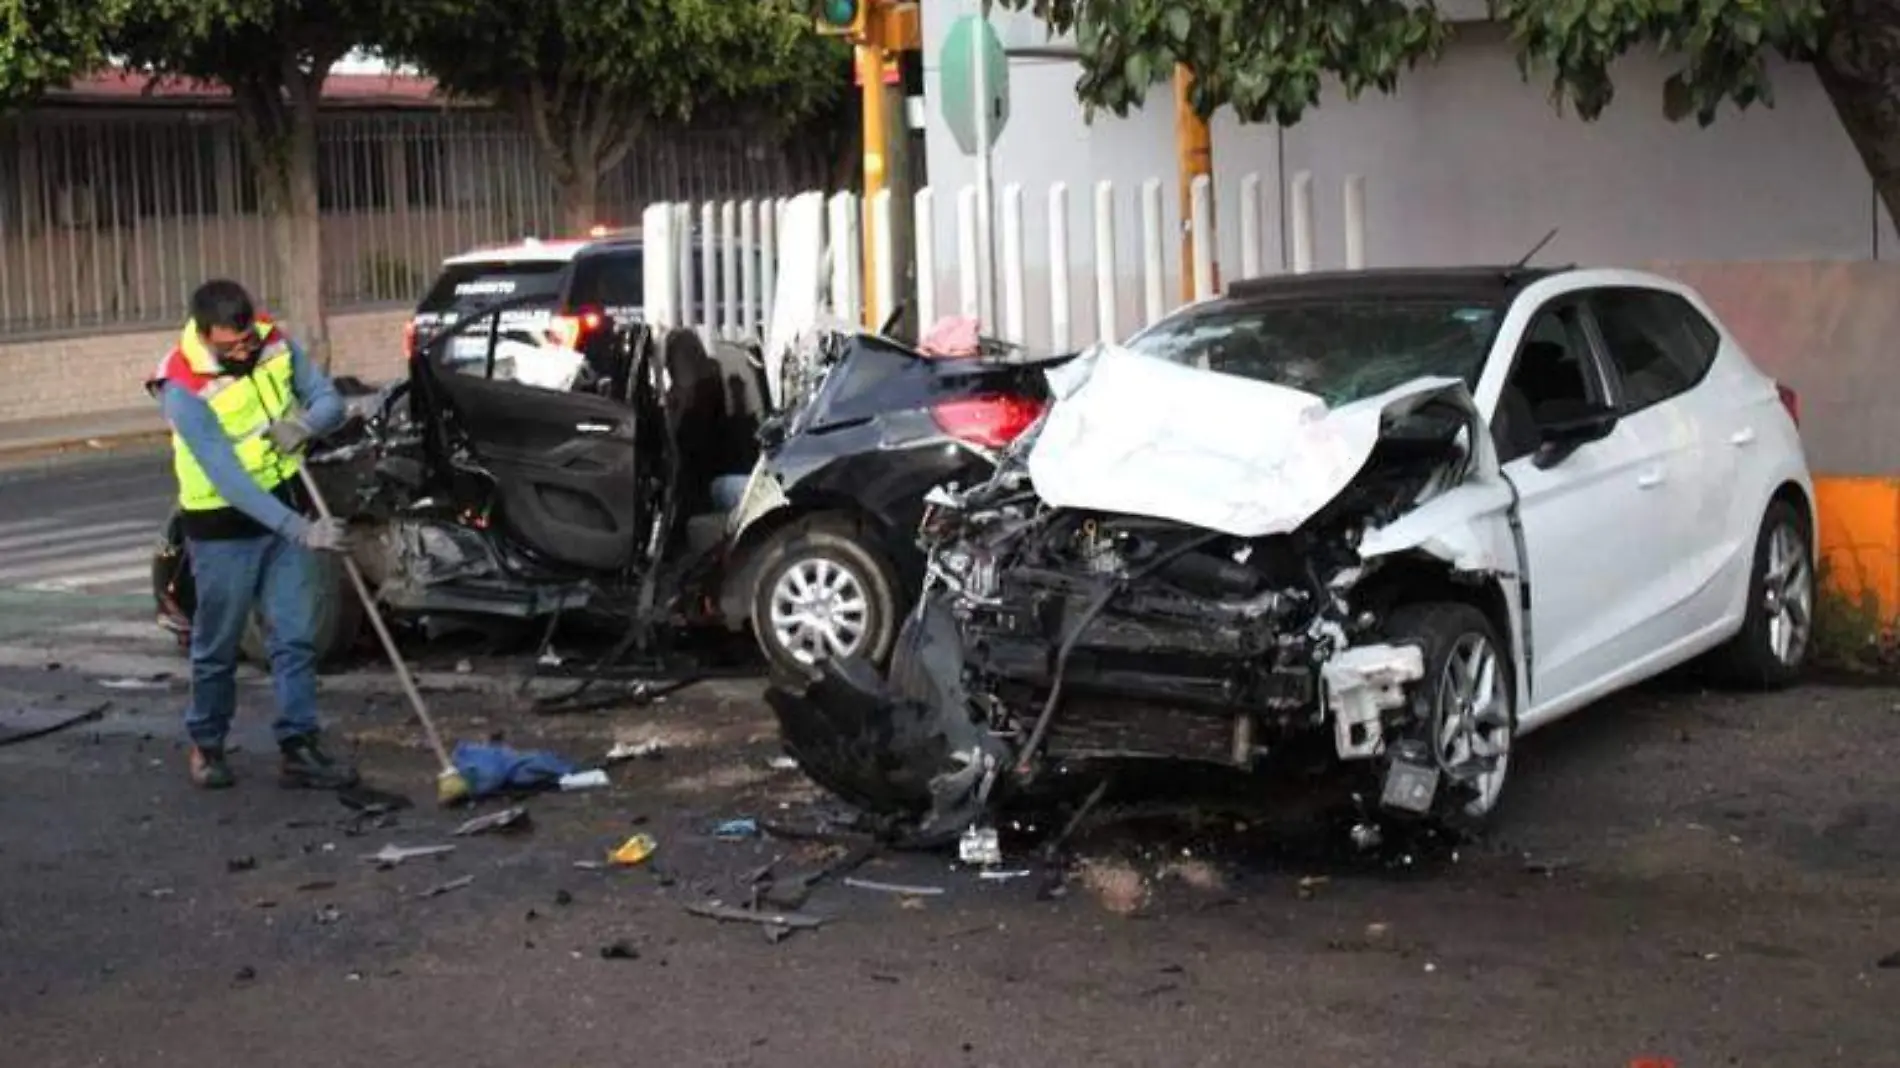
(1475, 731)
(819, 610)
(1788, 596)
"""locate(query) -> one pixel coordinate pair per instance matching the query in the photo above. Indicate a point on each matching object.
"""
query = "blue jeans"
(233, 577)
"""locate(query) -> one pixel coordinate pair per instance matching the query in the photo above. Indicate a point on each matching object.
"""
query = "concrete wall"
(1466, 163)
(105, 374)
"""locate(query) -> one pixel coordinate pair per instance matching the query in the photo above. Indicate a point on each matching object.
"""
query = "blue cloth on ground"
(490, 769)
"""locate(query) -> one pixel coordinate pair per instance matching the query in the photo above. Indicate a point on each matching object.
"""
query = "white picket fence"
(717, 266)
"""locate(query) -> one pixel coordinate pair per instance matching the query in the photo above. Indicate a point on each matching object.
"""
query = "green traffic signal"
(841, 12)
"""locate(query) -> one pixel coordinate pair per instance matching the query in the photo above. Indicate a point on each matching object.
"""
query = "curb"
(14, 453)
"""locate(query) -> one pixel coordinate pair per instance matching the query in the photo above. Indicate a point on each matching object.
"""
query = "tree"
(588, 78)
(45, 43)
(1267, 61)
(274, 56)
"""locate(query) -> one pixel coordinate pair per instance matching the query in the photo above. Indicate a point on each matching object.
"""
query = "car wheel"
(339, 614)
(1778, 629)
(338, 623)
(1466, 706)
(823, 589)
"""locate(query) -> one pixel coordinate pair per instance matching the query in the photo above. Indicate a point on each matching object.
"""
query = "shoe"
(209, 770)
(307, 767)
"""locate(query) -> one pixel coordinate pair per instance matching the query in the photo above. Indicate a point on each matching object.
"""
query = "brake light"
(1791, 401)
(573, 331)
(992, 421)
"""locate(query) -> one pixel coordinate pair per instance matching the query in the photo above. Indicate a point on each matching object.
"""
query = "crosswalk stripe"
(15, 526)
(131, 577)
(26, 545)
(76, 566)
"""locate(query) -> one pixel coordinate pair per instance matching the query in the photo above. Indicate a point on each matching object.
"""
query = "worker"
(243, 400)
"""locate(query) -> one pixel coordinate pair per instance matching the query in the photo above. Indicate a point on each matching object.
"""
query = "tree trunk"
(1859, 66)
(298, 231)
(279, 124)
(580, 197)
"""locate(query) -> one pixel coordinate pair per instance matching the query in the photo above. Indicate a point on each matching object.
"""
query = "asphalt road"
(1704, 877)
(83, 526)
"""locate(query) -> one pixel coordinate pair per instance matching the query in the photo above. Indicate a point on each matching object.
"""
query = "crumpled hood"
(1137, 435)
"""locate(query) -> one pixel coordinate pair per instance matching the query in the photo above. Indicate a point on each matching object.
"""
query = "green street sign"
(972, 36)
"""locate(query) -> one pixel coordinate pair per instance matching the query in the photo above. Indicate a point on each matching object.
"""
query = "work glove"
(289, 434)
(326, 536)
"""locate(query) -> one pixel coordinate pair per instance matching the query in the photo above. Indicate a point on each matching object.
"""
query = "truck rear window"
(466, 287)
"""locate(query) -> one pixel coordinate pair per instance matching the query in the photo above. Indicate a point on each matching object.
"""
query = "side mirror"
(1562, 433)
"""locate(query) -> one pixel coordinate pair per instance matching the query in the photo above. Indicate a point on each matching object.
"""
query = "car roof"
(1478, 284)
(534, 250)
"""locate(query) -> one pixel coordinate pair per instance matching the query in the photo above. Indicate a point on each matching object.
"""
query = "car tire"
(1756, 656)
(339, 614)
(837, 561)
(1466, 705)
(338, 623)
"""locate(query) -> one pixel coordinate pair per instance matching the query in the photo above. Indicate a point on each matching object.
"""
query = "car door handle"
(1742, 437)
(1650, 479)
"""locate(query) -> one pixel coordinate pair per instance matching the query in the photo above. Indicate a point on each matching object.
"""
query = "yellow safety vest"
(245, 406)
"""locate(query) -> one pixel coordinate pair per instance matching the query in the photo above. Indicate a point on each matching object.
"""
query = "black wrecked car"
(649, 484)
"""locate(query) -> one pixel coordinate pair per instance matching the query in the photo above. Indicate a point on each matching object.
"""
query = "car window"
(1552, 378)
(1342, 349)
(1657, 341)
(467, 288)
(613, 282)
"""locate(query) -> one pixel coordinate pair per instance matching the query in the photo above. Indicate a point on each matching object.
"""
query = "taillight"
(991, 421)
(572, 331)
(1791, 401)
(409, 339)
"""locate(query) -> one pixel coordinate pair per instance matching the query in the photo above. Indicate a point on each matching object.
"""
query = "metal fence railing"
(108, 220)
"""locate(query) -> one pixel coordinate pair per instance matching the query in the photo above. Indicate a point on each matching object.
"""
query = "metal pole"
(985, 208)
(871, 65)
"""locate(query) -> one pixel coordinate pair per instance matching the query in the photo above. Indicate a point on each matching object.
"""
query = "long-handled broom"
(450, 785)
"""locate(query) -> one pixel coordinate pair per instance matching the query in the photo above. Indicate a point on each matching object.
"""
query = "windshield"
(1342, 349)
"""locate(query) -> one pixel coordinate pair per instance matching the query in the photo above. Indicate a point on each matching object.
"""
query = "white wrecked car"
(1401, 515)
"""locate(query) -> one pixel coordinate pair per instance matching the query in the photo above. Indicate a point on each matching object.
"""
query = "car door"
(563, 462)
(1659, 351)
(1585, 512)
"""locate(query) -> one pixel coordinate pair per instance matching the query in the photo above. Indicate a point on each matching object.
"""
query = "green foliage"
(44, 44)
(1269, 60)
(659, 63)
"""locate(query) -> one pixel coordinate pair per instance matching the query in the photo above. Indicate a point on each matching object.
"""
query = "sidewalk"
(31, 439)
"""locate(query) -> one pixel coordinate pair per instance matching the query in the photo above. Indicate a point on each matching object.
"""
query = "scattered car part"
(515, 818)
(393, 855)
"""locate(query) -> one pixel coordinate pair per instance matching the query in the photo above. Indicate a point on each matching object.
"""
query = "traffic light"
(843, 18)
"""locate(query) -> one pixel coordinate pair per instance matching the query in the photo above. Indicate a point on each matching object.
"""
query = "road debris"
(981, 846)
(594, 779)
(492, 769)
(650, 749)
(893, 888)
(160, 681)
(791, 891)
(327, 915)
(25, 724)
(797, 921)
(245, 974)
(633, 851)
(318, 884)
(995, 876)
(508, 819)
(160, 893)
(1890, 961)
(782, 763)
(238, 864)
(372, 802)
(391, 855)
(563, 898)
(1310, 885)
(620, 949)
(736, 830)
(449, 887)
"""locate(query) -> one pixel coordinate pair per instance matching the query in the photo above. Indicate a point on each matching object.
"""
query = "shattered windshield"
(1341, 349)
